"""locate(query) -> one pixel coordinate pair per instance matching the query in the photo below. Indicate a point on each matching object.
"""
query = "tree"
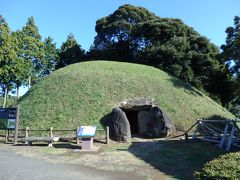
(2, 20)
(231, 50)
(31, 49)
(231, 56)
(70, 52)
(50, 57)
(136, 35)
(7, 57)
(116, 33)
(22, 67)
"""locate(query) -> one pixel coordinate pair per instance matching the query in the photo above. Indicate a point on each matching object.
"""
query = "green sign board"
(8, 118)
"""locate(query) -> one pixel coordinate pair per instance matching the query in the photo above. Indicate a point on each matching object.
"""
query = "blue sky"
(58, 18)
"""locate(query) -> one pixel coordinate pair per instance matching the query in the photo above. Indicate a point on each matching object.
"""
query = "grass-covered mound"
(225, 167)
(83, 93)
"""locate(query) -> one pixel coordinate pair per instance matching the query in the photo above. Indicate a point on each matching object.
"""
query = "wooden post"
(26, 134)
(77, 140)
(6, 135)
(186, 137)
(194, 134)
(51, 131)
(107, 136)
(230, 139)
(51, 135)
(16, 125)
(223, 138)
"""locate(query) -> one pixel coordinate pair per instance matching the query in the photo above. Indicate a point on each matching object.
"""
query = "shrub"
(224, 167)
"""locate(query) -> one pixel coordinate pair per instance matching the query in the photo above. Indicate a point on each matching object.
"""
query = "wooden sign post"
(16, 126)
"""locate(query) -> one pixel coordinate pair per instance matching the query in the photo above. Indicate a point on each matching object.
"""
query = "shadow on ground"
(66, 146)
(176, 158)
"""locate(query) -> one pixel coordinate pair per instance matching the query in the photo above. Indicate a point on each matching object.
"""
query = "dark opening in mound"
(132, 117)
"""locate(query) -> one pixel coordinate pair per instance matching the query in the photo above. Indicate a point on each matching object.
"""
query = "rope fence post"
(186, 137)
(77, 140)
(6, 135)
(26, 134)
(51, 131)
(107, 135)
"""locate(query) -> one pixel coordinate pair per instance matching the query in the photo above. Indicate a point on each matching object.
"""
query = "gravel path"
(17, 167)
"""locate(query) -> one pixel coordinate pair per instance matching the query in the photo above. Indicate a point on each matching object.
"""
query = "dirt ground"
(142, 159)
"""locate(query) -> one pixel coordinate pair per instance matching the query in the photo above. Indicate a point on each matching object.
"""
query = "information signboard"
(87, 131)
(8, 113)
(8, 118)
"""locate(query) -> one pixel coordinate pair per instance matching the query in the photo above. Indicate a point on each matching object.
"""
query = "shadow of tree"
(215, 117)
(181, 84)
(175, 158)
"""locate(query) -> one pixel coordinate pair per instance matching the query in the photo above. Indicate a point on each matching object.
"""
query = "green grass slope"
(83, 93)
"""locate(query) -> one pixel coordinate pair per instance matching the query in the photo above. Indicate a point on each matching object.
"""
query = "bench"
(49, 140)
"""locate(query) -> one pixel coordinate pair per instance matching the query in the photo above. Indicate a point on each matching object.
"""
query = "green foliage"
(231, 50)
(225, 167)
(116, 33)
(136, 35)
(3, 123)
(231, 55)
(23, 55)
(22, 66)
(11, 101)
(83, 93)
(7, 54)
(50, 57)
(2, 20)
(8, 57)
(71, 52)
(32, 49)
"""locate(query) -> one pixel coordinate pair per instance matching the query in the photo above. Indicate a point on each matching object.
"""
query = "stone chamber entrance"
(138, 117)
(132, 117)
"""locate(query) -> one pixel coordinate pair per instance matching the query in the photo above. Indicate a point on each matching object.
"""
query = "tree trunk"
(5, 97)
(17, 92)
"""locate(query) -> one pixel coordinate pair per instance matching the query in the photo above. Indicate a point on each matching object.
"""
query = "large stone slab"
(136, 104)
(119, 127)
(146, 123)
(166, 125)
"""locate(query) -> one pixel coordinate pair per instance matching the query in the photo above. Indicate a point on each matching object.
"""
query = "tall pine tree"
(70, 52)
(32, 49)
(50, 57)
